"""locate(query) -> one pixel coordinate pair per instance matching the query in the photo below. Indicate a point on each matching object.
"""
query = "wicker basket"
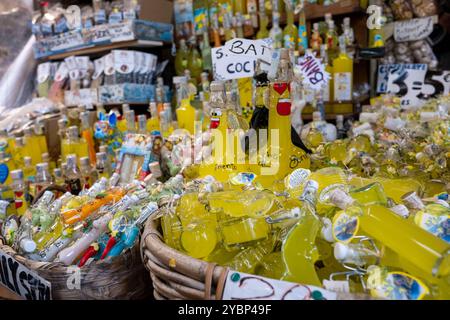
(123, 277)
(178, 276)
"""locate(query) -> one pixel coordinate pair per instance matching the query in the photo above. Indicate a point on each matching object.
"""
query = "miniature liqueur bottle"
(87, 173)
(73, 175)
(87, 135)
(19, 188)
(103, 166)
(316, 39)
(43, 177)
(51, 163)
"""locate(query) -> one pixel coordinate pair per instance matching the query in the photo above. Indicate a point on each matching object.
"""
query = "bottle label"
(438, 225)
(100, 16)
(297, 178)
(397, 286)
(302, 38)
(342, 86)
(345, 227)
(74, 186)
(200, 16)
(4, 172)
(61, 25)
(46, 28)
(243, 178)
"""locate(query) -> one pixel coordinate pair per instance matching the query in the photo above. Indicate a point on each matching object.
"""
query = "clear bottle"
(43, 177)
(87, 173)
(58, 177)
(341, 132)
(349, 36)
(131, 121)
(316, 39)
(276, 33)
(19, 188)
(103, 166)
(290, 32)
(40, 137)
(142, 123)
(46, 158)
(331, 41)
(73, 175)
(181, 58)
(29, 172)
(263, 32)
(206, 53)
(62, 132)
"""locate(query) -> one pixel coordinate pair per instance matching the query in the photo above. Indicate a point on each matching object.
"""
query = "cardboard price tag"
(413, 29)
(408, 83)
(228, 67)
(240, 286)
(121, 31)
(21, 280)
(66, 41)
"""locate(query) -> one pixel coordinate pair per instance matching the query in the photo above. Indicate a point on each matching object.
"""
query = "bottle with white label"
(343, 80)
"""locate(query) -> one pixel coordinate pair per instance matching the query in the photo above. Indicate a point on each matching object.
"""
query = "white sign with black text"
(413, 29)
(21, 280)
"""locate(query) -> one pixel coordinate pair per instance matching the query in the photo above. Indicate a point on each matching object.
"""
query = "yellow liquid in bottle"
(300, 252)
(48, 236)
(343, 83)
(32, 149)
(153, 124)
(186, 116)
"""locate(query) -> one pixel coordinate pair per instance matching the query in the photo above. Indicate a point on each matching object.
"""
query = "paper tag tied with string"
(313, 71)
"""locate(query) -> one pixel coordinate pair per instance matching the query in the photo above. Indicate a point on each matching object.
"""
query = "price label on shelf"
(66, 41)
(21, 280)
(413, 29)
(239, 286)
(408, 83)
(121, 31)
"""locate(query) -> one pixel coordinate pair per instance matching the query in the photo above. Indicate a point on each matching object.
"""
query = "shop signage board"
(21, 280)
(243, 286)
(314, 75)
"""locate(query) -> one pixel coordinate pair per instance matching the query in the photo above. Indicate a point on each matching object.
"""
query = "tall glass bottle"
(43, 177)
(290, 32)
(194, 63)
(263, 22)
(206, 52)
(302, 32)
(153, 122)
(276, 33)
(32, 146)
(316, 39)
(181, 58)
(331, 40)
(29, 172)
(87, 173)
(131, 121)
(40, 137)
(328, 89)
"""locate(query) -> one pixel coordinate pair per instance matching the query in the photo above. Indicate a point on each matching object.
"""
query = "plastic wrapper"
(402, 53)
(17, 65)
(423, 53)
(424, 8)
(401, 9)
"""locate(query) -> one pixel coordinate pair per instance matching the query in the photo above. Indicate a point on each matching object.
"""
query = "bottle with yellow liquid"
(299, 251)
(420, 252)
(51, 163)
(32, 146)
(153, 122)
(87, 135)
(343, 80)
(122, 123)
(19, 152)
(29, 172)
(131, 122)
(19, 188)
(40, 137)
(185, 112)
(194, 63)
(191, 228)
(75, 144)
(282, 152)
(263, 32)
(331, 40)
(327, 91)
(241, 216)
(181, 58)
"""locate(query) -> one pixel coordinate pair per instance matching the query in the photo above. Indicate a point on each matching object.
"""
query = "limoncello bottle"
(153, 122)
(343, 80)
(185, 112)
(290, 32)
(263, 22)
(40, 137)
(181, 58)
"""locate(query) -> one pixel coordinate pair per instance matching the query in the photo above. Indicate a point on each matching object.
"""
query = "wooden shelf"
(314, 11)
(105, 48)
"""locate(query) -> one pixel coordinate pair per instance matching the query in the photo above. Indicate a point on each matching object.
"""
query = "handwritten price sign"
(413, 29)
(414, 84)
(242, 286)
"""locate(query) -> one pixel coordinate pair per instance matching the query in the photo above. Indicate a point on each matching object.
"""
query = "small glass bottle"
(46, 158)
(43, 177)
(73, 175)
(58, 177)
(18, 186)
(131, 122)
(103, 167)
(87, 172)
(142, 124)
